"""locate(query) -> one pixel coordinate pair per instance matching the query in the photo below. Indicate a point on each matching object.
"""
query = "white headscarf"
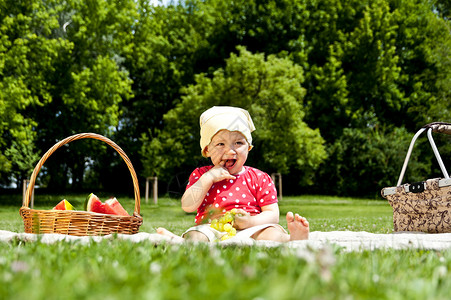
(224, 117)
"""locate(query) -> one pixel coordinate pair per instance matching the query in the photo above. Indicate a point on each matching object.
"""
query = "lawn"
(325, 213)
(120, 270)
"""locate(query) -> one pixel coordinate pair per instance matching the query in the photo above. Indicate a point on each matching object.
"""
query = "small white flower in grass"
(19, 266)
(326, 259)
(261, 255)
(216, 254)
(7, 277)
(306, 255)
(155, 268)
(441, 271)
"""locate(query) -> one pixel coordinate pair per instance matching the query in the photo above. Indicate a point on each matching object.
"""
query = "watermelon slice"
(64, 205)
(94, 204)
(117, 207)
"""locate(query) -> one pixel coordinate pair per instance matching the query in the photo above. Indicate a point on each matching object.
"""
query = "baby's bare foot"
(165, 232)
(298, 227)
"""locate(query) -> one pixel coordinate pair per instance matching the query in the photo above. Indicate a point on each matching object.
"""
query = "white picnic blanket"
(347, 240)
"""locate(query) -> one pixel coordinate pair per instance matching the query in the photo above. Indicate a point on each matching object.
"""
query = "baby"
(228, 184)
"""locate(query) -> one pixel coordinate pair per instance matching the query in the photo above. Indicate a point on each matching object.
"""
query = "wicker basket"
(79, 223)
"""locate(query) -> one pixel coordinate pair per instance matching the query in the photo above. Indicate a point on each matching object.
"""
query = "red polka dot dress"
(251, 190)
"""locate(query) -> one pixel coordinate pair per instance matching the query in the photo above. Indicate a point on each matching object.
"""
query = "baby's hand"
(242, 219)
(219, 173)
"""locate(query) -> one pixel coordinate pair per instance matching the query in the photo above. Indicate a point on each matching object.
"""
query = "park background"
(336, 89)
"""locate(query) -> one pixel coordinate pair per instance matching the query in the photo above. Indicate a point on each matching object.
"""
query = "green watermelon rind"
(90, 206)
(88, 201)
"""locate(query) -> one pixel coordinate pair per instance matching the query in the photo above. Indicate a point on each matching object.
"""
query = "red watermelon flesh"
(64, 205)
(117, 207)
(94, 204)
(101, 208)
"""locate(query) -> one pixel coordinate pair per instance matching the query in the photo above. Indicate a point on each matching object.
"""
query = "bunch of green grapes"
(225, 224)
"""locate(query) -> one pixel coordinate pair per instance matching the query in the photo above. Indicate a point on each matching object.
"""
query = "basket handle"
(440, 127)
(78, 137)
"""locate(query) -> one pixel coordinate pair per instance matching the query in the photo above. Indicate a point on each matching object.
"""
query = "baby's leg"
(165, 232)
(271, 233)
(298, 227)
(194, 236)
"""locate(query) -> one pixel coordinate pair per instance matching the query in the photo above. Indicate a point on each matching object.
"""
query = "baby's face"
(229, 147)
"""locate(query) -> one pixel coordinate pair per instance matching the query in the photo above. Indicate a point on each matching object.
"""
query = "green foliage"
(270, 90)
(26, 58)
(443, 7)
(365, 160)
(23, 154)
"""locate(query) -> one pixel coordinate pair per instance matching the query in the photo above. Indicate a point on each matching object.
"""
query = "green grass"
(325, 213)
(118, 269)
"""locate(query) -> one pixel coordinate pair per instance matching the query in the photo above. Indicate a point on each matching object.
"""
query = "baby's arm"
(195, 194)
(269, 215)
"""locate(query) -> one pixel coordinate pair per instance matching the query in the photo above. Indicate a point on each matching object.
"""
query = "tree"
(26, 58)
(443, 7)
(161, 60)
(270, 89)
(62, 70)
(121, 69)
